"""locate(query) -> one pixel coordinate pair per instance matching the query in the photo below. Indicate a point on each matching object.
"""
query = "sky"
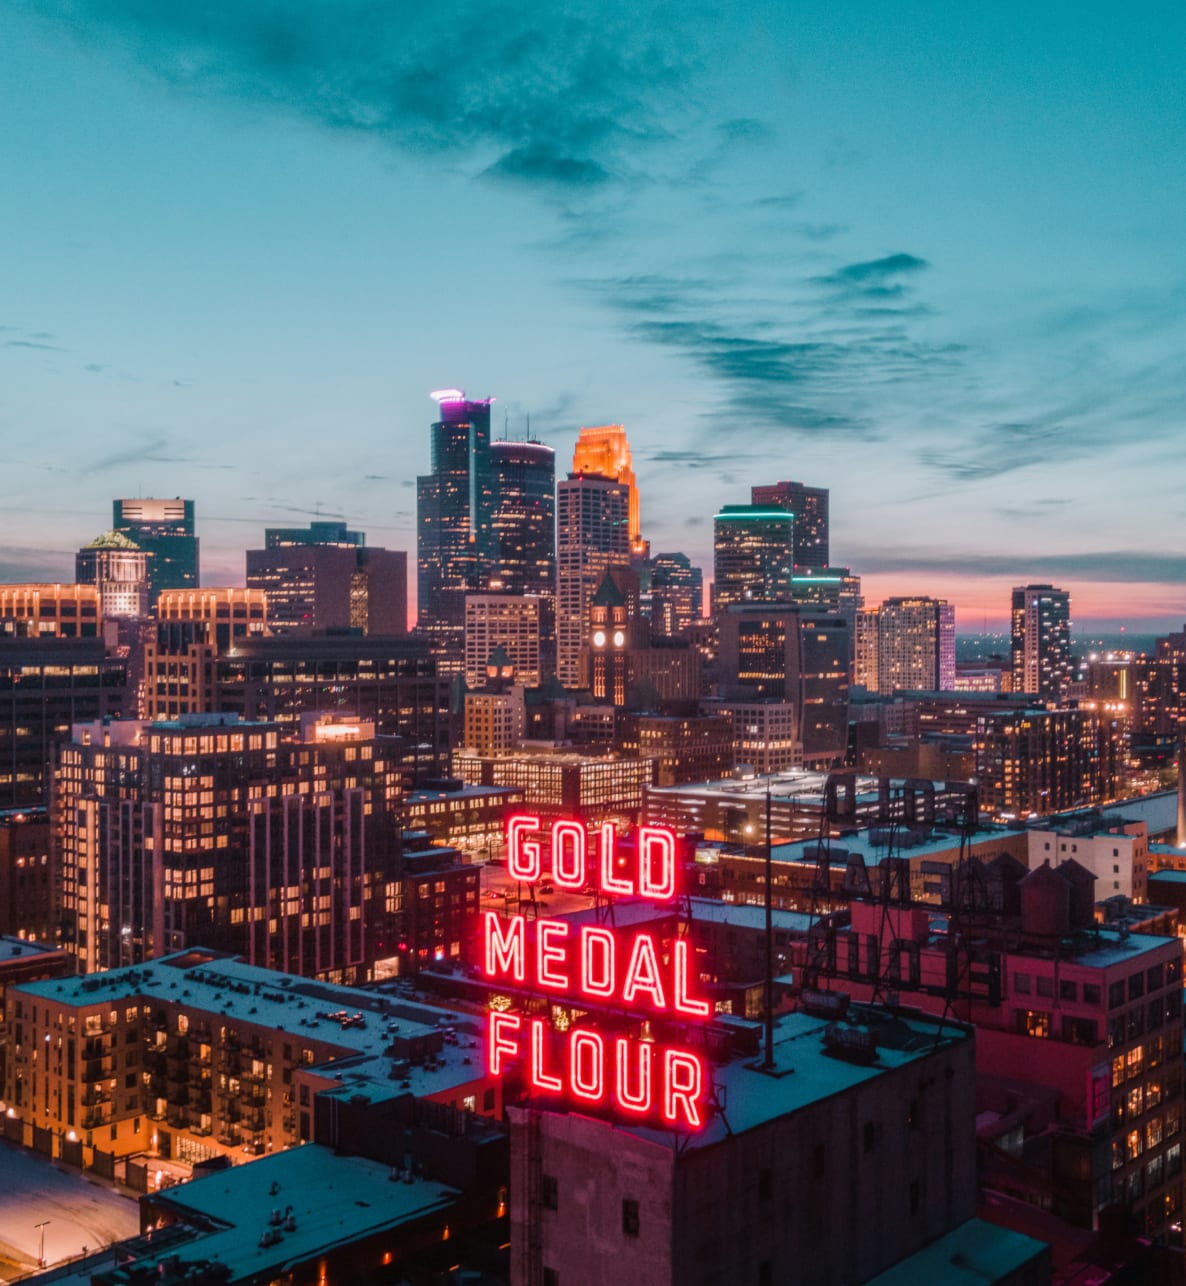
(930, 256)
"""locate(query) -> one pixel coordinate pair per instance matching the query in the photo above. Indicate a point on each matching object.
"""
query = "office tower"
(676, 593)
(164, 529)
(605, 452)
(916, 645)
(1041, 640)
(330, 580)
(592, 535)
(509, 621)
(390, 682)
(780, 653)
(194, 628)
(525, 520)
(334, 534)
(49, 684)
(753, 556)
(810, 507)
(830, 589)
(50, 611)
(211, 831)
(457, 546)
(119, 568)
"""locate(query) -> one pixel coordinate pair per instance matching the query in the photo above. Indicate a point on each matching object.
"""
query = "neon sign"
(628, 971)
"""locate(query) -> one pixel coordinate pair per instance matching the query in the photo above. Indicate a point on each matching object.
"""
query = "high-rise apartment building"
(118, 567)
(753, 555)
(810, 507)
(916, 645)
(164, 529)
(676, 593)
(510, 621)
(605, 452)
(457, 545)
(1041, 639)
(866, 641)
(327, 577)
(213, 831)
(592, 535)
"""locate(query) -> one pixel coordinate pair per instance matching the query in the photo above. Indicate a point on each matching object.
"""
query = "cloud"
(30, 343)
(555, 95)
(1120, 565)
(147, 451)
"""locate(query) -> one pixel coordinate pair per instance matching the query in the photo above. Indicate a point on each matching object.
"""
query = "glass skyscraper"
(163, 529)
(456, 542)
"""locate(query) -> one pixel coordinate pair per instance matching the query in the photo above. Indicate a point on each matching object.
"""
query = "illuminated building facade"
(330, 583)
(779, 653)
(1045, 761)
(194, 628)
(764, 733)
(592, 535)
(509, 621)
(1115, 851)
(555, 783)
(50, 611)
(753, 556)
(605, 452)
(164, 529)
(456, 542)
(676, 594)
(495, 721)
(810, 508)
(29, 893)
(45, 686)
(687, 747)
(469, 818)
(525, 525)
(199, 1054)
(214, 831)
(915, 645)
(865, 672)
(1041, 640)
(118, 568)
(390, 682)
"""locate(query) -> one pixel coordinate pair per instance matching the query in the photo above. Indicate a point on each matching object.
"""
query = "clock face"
(599, 638)
(619, 638)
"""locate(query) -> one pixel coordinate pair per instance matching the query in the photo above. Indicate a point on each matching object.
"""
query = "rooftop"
(974, 1253)
(333, 1201)
(362, 1026)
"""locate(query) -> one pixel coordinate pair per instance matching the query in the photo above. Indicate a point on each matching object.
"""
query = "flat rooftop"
(334, 1201)
(360, 1024)
(753, 1097)
(25, 949)
(974, 1253)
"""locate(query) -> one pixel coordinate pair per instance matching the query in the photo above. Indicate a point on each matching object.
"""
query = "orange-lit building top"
(605, 451)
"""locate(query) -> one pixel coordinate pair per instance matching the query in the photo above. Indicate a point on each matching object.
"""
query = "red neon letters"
(629, 971)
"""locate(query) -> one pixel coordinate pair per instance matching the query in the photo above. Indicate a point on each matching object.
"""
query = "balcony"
(93, 1119)
(96, 1047)
(95, 1095)
(97, 1069)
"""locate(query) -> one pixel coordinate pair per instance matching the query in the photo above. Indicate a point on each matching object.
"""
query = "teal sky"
(928, 255)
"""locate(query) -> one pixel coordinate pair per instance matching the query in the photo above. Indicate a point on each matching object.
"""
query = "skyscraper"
(457, 546)
(676, 593)
(164, 529)
(810, 507)
(327, 577)
(752, 555)
(525, 530)
(1041, 640)
(915, 645)
(119, 568)
(606, 452)
(592, 534)
(509, 621)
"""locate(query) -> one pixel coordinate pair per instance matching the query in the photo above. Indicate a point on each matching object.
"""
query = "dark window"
(551, 1277)
(488, 1101)
(914, 1197)
(629, 1217)
(549, 1192)
(1156, 978)
(1091, 993)
(1115, 995)
(870, 1136)
(765, 1184)
(765, 1276)
(1067, 990)
(1136, 985)
(818, 1160)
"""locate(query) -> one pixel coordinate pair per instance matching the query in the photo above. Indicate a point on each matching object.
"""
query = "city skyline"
(929, 261)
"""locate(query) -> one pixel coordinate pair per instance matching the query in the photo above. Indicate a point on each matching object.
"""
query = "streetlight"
(40, 1229)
